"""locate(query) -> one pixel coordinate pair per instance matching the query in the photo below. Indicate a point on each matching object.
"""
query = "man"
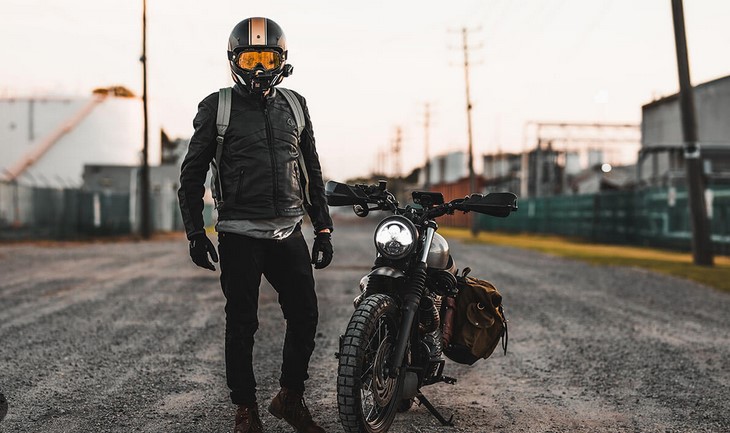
(262, 192)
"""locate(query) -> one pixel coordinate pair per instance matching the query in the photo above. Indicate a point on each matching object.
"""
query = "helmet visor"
(248, 60)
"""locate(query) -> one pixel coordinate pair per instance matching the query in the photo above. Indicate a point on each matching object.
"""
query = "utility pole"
(381, 163)
(145, 172)
(396, 151)
(397, 175)
(427, 166)
(472, 177)
(701, 241)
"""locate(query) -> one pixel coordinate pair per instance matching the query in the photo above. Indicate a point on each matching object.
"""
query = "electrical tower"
(427, 166)
(397, 146)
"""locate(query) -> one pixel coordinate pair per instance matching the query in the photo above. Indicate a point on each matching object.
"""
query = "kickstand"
(424, 401)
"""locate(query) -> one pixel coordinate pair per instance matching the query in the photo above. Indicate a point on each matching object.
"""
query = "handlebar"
(361, 196)
(385, 200)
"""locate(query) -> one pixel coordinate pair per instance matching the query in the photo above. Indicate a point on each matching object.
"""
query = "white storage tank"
(47, 141)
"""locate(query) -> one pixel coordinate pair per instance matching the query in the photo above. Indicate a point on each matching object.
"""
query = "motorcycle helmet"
(257, 54)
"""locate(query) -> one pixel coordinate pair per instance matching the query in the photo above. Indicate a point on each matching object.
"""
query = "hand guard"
(200, 247)
(323, 245)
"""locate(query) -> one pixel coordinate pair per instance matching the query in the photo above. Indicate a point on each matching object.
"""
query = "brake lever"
(445, 209)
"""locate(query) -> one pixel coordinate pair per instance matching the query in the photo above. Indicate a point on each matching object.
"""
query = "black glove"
(200, 247)
(323, 245)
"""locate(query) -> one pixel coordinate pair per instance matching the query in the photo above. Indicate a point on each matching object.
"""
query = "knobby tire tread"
(363, 321)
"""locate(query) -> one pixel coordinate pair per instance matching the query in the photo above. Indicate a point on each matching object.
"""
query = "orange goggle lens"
(248, 60)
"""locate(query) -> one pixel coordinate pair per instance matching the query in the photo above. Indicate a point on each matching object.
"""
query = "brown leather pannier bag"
(479, 322)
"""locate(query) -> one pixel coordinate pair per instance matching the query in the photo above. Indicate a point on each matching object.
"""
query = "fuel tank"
(438, 255)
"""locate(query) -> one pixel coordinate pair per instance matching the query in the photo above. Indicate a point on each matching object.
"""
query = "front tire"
(367, 397)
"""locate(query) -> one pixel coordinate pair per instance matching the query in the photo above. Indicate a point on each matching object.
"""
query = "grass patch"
(667, 262)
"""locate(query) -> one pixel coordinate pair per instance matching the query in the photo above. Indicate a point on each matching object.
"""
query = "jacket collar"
(243, 91)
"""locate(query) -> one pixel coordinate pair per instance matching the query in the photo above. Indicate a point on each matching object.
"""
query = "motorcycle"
(392, 346)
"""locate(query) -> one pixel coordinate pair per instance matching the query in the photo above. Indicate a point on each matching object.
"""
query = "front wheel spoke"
(373, 413)
(366, 373)
(367, 385)
(369, 396)
(373, 341)
(381, 332)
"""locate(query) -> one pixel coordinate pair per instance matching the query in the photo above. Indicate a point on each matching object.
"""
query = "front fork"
(412, 298)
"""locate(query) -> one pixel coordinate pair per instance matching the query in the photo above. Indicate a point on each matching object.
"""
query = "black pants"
(286, 265)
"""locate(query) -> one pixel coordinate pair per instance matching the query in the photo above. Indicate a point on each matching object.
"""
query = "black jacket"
(259, 167)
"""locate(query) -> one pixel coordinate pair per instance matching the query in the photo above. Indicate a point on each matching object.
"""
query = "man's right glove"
(200, 247)
(323, 245)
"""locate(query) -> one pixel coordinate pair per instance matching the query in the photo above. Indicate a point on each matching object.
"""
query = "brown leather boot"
(290, 405)
(247, 420)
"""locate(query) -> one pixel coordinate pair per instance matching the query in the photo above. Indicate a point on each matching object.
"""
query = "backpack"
(479, 321)
(222, 120)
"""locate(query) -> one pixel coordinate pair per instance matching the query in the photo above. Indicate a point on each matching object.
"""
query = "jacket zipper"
(269, 141)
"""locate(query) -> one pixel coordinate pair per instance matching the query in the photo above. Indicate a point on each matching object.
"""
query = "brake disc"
(383, 386)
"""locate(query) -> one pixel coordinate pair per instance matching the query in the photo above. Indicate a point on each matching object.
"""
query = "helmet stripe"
(257, 32)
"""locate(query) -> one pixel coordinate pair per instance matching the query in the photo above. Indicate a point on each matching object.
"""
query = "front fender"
(383, 271)
(387, 271)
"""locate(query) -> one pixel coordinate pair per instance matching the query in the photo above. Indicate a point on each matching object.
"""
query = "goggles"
(248, 60)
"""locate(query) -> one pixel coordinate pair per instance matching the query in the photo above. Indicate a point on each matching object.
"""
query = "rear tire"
(366, 397)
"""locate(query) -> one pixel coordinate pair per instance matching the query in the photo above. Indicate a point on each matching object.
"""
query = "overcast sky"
(370, 66)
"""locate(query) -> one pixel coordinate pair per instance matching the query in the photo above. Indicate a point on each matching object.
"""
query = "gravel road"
(128, 337)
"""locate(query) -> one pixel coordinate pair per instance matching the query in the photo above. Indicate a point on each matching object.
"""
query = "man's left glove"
(200, 247)
(323, 245)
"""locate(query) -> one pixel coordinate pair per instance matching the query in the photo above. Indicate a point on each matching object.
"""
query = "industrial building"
(566, 158)
(554, 166)
(446, 168)
(123, 180)
(661, 156)
(164, 178)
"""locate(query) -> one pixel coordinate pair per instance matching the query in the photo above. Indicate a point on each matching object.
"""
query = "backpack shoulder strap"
(222, 120)
(296, 107)
(224, 111)
(298, 111)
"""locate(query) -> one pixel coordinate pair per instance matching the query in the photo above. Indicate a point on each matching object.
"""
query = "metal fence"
(31, 212)
(61, 213)
(653, 217)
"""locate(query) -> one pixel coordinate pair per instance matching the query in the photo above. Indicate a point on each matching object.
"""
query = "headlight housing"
(395, 237)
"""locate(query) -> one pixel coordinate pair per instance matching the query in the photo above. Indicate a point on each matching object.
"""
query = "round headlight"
(395, 237)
